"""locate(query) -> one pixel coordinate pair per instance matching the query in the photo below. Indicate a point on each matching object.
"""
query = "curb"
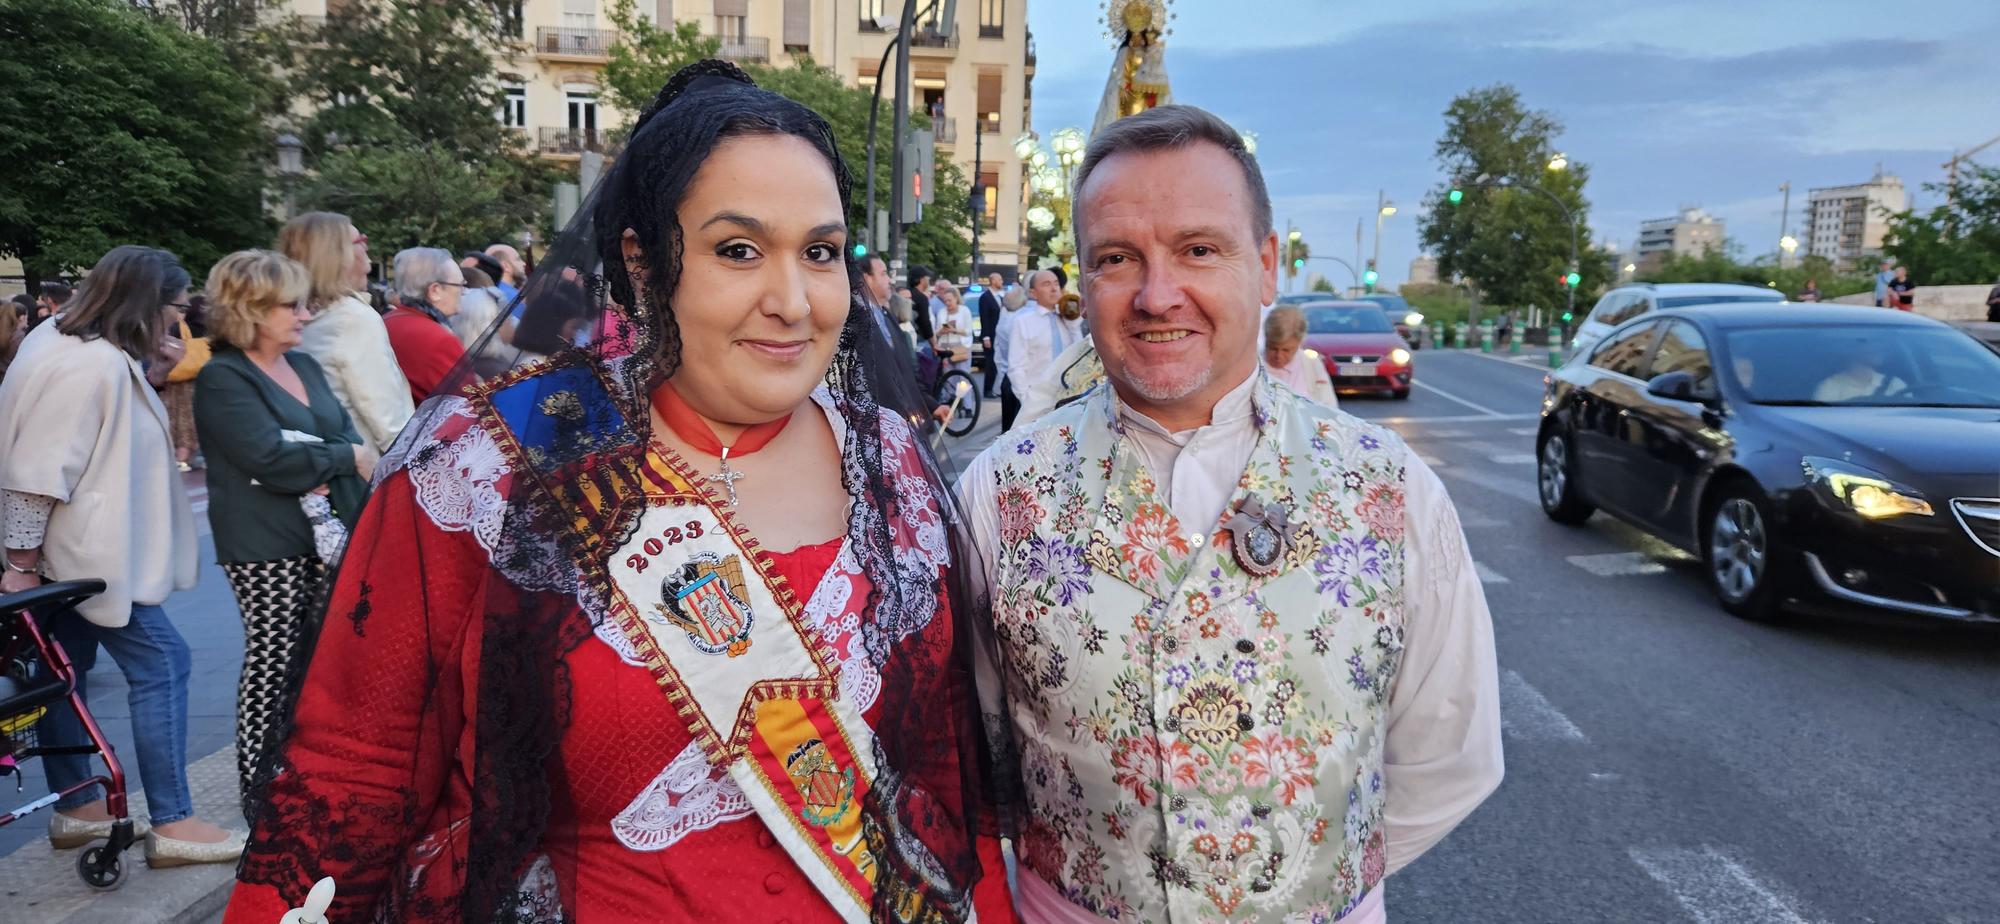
(41, 883)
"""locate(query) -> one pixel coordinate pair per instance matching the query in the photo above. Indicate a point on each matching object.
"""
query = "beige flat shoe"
(162, 852)
(66, 833)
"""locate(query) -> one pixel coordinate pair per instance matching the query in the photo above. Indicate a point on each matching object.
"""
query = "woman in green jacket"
(278, 442)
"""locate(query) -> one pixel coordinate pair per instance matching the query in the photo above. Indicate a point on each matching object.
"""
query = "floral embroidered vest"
(1198, 742)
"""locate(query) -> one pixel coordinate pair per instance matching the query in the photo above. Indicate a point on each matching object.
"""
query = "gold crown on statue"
(1125, 17)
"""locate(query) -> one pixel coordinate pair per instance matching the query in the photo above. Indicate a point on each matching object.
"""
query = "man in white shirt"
(1237, 637)
(1030, 342)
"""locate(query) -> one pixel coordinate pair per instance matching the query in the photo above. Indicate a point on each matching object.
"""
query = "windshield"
(1347, 321)
(1686, 301)
(1864, 366)
(1394, 305)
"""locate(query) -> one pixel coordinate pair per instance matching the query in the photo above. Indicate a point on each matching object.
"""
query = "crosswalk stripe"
(1713, 888)
(1488, 575)
(1524, 431)
(1618, 564)
(1512, 483)
(1514, 458)
(1526, 714)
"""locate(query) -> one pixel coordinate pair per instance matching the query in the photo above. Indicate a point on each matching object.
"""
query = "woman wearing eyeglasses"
(90, 491)
(429, 285)
(345, 335)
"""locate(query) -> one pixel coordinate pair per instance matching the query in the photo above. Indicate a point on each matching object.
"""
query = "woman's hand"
(15, 582)
(365, 458)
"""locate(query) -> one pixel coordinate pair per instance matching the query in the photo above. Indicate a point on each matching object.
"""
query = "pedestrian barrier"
(1555, 347)
(1460, 341)
(1513, 343)
(1486, 336)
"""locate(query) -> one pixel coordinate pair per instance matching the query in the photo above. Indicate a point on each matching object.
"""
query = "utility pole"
(978, 203)
(1357, 245)
(898, 243)
(1381, 202)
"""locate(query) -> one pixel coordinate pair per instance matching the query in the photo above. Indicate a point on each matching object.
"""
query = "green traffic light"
(1298, 263)
(1572, 279)
(860, 250)
(1368, 277)
(1566, 317)
(1457, 196)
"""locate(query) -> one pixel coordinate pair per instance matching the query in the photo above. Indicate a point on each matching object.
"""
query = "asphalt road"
(1668, 762)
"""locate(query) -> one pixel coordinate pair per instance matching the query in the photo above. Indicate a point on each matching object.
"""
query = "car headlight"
(1864, 491)
(1414, 318)
(1399, 356)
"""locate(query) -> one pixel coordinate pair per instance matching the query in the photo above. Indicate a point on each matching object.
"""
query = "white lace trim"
(460, 490)
(688, 796)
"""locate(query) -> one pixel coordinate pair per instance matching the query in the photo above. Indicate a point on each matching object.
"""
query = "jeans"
(157, 665)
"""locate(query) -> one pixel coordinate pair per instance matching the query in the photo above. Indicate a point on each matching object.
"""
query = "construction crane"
(1951, 168)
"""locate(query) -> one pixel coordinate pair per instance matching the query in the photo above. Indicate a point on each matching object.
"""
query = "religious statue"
(1138, 79)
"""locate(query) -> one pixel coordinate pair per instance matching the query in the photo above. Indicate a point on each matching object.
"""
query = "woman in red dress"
(660, 629)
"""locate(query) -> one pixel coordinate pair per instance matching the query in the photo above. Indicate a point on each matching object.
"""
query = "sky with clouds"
(1672, 103)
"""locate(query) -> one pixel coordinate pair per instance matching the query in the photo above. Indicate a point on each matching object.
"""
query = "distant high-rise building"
(1846, 224)
(1687, 234)
(1423, 270)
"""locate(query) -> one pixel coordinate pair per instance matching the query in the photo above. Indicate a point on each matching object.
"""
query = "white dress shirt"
(1443, 748)
(1031, 341)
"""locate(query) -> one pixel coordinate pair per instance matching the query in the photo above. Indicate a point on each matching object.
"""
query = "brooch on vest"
(1259, 535)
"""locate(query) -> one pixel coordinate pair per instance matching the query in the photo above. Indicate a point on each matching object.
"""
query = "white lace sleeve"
(27, 518)
(1443, 753)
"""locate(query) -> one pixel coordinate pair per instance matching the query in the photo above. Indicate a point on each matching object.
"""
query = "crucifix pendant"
(727, 477)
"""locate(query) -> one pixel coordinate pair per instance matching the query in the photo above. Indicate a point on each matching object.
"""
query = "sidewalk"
(40, 885)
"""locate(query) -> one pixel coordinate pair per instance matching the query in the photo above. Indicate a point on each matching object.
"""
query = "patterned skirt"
(179, 399)
(276, 598)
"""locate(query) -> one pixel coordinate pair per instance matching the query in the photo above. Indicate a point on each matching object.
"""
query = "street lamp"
(1383, 209)
(1559, 162)
(1789, 245)
(291, 163)
(1025, 145)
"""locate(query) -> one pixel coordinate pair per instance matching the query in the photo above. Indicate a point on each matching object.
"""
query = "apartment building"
(1846, 224)
(974, 81)
(1688, 234)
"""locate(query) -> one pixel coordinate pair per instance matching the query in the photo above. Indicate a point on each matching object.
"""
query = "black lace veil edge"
(580, 310)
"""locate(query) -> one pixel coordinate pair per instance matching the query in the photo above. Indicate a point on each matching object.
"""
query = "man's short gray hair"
(1168, 128)
(418, 268)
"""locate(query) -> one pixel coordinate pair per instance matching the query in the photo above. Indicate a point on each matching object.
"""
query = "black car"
(1811, 452)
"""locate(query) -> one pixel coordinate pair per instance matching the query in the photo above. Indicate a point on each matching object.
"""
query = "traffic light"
(1368, 276)
(1573, 279)
(1298, 263)
(1456, 196)
(860, 250)
(1567, 316)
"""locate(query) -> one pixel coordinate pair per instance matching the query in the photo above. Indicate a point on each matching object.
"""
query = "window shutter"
(663, 13)
(798, 22)
(732, 7)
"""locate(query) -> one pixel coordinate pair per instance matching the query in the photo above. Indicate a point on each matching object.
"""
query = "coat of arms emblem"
(705, 598)
(825, 789)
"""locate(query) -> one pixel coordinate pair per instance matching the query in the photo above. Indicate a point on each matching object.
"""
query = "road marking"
(1449, 418)
(1488, 575)
(1524, 431)
(1539, 363)
(1714, 888)
(1470, 520)
(1489, 412)
(1513, 485)
(1618, 564)
(1527, 715)
(1432, 461)
(1514, 458)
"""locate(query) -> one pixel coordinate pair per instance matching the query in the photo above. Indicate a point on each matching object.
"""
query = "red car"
(1360, 347)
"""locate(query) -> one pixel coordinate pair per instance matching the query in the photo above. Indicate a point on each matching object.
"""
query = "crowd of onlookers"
(286, 375)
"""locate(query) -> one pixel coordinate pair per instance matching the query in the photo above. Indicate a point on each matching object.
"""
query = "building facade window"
(798, 26)
(989, 187)
(579, 14)
(992, 18)
(514, 111)
(582, 111)
(873, 14)
(514, 18)
(989, 102)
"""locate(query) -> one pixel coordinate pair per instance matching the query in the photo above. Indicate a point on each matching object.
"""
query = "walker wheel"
(100, 869)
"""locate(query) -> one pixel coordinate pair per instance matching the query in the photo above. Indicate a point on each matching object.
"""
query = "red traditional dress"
(666, 807)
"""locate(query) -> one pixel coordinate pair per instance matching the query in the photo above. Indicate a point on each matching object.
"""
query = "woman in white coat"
(90, 490)
(345, 335)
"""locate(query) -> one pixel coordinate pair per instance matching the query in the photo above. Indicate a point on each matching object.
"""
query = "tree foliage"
(646, 55)
(1513, 243)
(404, 136)
(120, 128)
(1957, 242)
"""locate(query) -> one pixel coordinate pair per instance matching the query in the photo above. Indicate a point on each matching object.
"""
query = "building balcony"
(946, 129)
(574, 44)
(990, 123)
(928, 41)
(570, 142)
(753, 49)
(1031, 53)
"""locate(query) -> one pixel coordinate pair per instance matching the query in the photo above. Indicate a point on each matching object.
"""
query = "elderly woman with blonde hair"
(1289, 361)
(282, 453)
(344, 333)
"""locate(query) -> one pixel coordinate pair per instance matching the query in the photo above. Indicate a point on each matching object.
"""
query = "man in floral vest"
(1244, 653)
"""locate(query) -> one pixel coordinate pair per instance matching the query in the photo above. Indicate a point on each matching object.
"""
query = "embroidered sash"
(725, 637)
